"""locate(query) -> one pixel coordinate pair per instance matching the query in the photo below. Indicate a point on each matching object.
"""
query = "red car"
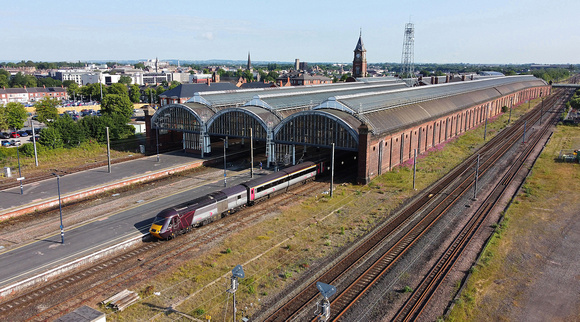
(14, 135)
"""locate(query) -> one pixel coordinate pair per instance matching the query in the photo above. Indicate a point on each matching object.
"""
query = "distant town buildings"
(32, 94)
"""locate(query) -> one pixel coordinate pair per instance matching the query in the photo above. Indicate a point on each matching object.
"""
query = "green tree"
(117, 89)
(71, 134)
(95, 127)
(91, 91)
(50, 138)
(4, 81)
(72, 89)
(160, 90)
(173, 85)
(139, 66)
(119, 105)
(3, 118)
(46, 109)
(125, 80)
(68, 83)
(18, 80)
(135, 93)
(15, 115)
(30, 81)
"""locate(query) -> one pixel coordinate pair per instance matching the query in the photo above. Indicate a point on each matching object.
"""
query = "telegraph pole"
(251, 154)
(332, 171)
(108, 151)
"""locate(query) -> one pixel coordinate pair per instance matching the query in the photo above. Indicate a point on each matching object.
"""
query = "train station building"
(380, 121)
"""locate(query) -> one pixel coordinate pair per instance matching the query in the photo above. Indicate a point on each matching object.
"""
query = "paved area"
(43, 191)
(42, 255)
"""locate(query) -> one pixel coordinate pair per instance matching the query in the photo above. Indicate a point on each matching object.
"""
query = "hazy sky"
(446, 31)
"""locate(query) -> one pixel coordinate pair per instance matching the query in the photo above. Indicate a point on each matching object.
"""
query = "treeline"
(63, 131)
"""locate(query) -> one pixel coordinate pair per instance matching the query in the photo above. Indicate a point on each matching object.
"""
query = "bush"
(27, 149)
(504, 109)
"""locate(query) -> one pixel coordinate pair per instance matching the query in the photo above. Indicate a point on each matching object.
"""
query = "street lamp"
(511, 106)
(541, 108)
(59, 207)
(20, 178)
(225, 167)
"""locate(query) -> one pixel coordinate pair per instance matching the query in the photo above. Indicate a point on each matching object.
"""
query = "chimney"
(208, 82)
(463, 77)
(43, 86)
(446, 78)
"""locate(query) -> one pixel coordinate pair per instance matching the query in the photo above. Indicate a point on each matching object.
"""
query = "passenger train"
(180, 219)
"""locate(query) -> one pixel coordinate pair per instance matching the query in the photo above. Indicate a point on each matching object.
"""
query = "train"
(182, 218)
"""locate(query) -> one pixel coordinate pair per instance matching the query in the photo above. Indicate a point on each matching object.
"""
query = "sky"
(446, 31)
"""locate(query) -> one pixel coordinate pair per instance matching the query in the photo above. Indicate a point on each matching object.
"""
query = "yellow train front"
(165, 224)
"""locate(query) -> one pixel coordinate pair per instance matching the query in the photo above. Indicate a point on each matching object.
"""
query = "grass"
(59, 159)
(513, 258)
(279, 250)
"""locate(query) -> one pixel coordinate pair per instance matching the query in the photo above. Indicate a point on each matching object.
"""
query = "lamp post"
(511, 106)
(225, 166)
(251, 154)
(60, 208)
(157, 141)
(237, 272)
(541, 108)
(34, 142)
(20, 178)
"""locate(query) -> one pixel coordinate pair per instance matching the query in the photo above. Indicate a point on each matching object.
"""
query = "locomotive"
(182, 218)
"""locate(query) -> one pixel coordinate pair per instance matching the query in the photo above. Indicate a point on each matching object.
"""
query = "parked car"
(22, 133)
(4, 135)
(35, 138)
(5, 143)
(14, 135)
(15, 142)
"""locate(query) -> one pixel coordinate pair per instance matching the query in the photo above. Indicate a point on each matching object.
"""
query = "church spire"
(249, 62)
(360, 46)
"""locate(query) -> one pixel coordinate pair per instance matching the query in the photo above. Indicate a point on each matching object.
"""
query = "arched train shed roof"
(391, 111)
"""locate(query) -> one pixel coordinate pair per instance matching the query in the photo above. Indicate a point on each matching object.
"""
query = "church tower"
(359, 63)
(249, 67)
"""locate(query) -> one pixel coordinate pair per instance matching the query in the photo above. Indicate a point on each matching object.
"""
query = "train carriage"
(179, 219)
(281, 180)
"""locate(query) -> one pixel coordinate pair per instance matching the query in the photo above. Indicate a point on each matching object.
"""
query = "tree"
(119, 105)
(139, 66)
(71, 134)
(50, 138)
(160, 90)
(4, 82)
(30, 81)
(3, 118)
(68, 83)
(125, 80)
(173, 85)
(117, 89)
(15, 115)
(135, 93)
(18, 80)
(91, 91)
(72, 89)
(46, 109)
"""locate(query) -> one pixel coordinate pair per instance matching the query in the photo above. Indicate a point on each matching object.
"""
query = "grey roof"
(292, 96)
(394, 110)
(187, 90)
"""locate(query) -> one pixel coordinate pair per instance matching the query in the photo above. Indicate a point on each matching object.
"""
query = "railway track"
(435, 201)
(421, 297)
(61, 296)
